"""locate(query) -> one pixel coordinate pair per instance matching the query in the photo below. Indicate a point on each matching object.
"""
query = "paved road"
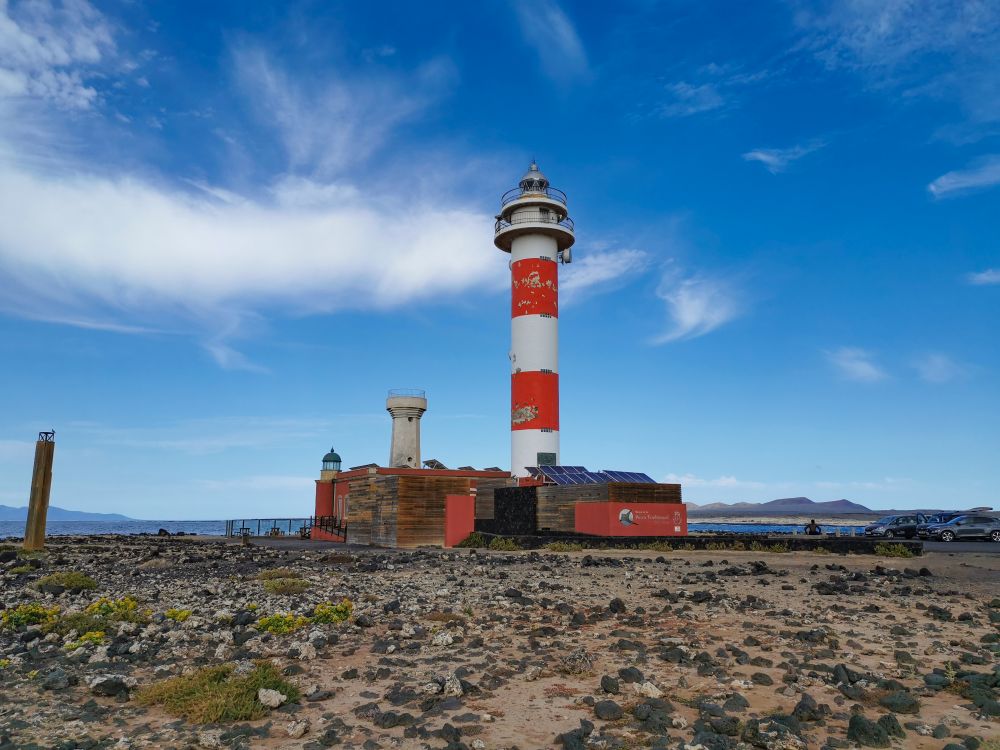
(985, 547)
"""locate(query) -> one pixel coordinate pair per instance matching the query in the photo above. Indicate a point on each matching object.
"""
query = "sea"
(218, 528)
(82, 528)
(771, 528)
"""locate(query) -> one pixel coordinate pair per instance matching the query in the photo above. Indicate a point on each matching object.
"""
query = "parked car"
(964, 527)
(895, 527)
(939, 518)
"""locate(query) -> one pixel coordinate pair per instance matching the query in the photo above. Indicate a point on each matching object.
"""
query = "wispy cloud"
(599, 271)
(690, 99)
(981, 174)
(777, 159)
(939, 368)
(210, 436)
(48, 49)
(731, 482)
(551, 33)
(856, 364)
(329, 123)
(270, 483)
(709, 88)
(985, 278)
(697, 304)
(936, 48)
(140, 255)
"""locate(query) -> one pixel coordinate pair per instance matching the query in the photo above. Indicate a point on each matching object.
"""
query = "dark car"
(896, 527)
(964, 527)
(938, 518)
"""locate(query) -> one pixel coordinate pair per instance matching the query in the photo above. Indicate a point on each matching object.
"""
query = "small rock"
(297, 729)
(271, 698)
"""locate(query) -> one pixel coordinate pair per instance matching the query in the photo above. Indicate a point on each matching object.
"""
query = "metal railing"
(413, 392)
(331, 525)
(512, 195)
(540, 218)
(271, 527)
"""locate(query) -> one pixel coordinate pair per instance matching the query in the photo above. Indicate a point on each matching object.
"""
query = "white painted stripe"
(534, 343)
(525, 445)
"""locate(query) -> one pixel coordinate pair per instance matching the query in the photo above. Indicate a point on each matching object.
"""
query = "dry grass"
(286, 586)
(215, 694)
(274, 573)
(71, 580)
(560, 691)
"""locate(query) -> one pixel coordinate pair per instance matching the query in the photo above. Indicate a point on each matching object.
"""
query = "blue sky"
(227, 229)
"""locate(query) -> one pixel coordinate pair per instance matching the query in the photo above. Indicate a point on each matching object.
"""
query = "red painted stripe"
(535, 287)
(534, 401)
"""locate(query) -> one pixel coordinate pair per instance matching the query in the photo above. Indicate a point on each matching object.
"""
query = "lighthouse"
(534, 227)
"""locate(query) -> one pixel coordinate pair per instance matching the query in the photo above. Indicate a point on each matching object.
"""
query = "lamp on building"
(331, 461)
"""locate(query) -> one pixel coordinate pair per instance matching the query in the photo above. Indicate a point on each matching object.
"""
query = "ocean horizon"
(15, 529)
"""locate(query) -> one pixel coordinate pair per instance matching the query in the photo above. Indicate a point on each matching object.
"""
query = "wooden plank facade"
(403, 507)
(554, 506)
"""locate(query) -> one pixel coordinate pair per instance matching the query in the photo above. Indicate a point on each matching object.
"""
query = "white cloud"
(330, 123)
(46, 50)
(985, 278)
(777, 159)
(293, 486)
(689, 99)
(198, 437)
(548, 29)
(125, 251)
(938, 48)
(690, 480)
(599, 271)
(856, 364)
(981, 174)
(939, 368)
(697, 305)
(712, 87)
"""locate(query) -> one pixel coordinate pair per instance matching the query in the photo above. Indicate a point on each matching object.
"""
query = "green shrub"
(125, 609)
(4, 663)
(81, 622)
(503, 544)
(282, 623)
(286, 586)
(475, 539)
(215, 694)
(24, 615)
(893, 550)
(329, 613)
(177, 615)
(22, 569)
(70, 580)
(90, 638)
(564, 546)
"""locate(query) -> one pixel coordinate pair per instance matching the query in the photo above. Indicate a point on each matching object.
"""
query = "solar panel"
(647, 478)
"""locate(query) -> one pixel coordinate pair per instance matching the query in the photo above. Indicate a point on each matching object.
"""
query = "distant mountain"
(788, 505)
(7, 513)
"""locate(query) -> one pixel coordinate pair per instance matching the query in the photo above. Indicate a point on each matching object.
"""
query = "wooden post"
(41, 486)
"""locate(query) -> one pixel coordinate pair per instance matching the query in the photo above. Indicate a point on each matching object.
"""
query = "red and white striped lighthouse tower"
(534, 227)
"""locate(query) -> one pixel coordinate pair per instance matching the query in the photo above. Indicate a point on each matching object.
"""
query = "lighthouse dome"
(331, 461)
(533, 181)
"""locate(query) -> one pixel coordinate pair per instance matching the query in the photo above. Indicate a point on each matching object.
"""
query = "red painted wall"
(324, 499)
(631, 519)
(534, 400)
(535, 290)
(459, 518)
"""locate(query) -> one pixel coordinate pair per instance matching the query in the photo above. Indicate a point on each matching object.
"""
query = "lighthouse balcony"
(518, 193)
(534, 222)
